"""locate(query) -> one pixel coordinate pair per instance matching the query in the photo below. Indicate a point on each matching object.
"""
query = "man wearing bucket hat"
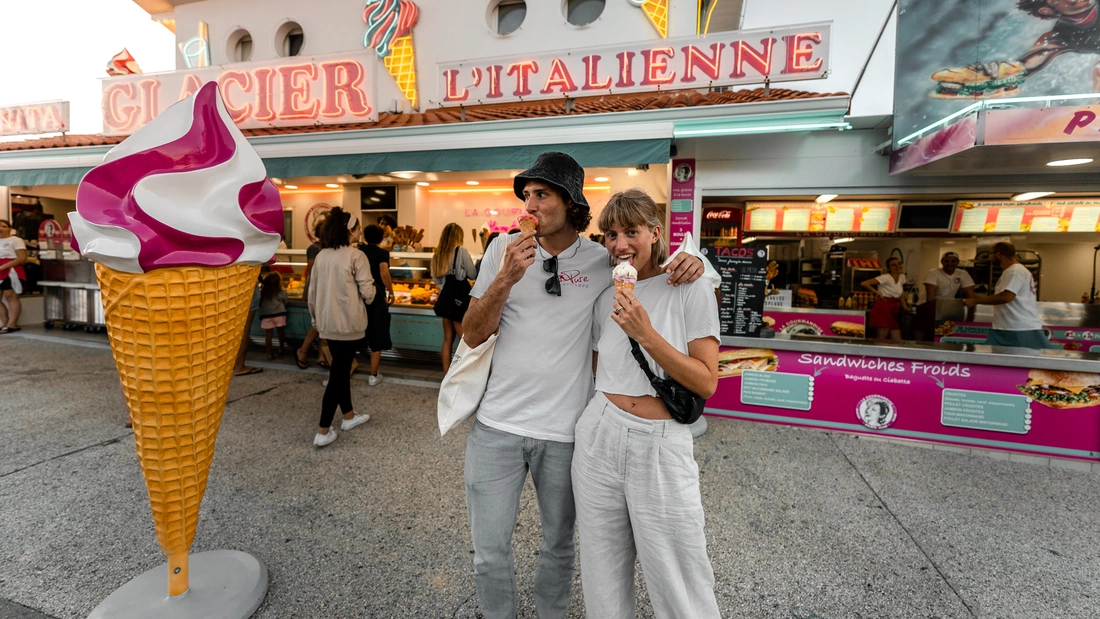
(539, 299)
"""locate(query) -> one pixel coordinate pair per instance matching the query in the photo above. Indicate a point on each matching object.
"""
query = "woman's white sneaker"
(374, 380)
(357, 420)
(323, 440)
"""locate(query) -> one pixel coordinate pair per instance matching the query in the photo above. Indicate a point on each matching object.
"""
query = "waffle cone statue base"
(174, 333)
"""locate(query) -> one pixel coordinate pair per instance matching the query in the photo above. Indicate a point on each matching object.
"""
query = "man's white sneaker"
(357, 420)
(374, 380)
(323, 440)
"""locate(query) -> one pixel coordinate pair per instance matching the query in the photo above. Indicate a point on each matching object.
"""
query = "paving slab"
(800, 524)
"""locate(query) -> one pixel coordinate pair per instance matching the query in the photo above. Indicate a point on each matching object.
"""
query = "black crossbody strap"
(636, 350)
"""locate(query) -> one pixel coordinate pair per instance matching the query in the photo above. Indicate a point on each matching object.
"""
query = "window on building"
(510, 15)
(242, 51)
(583, 12)
(719, 15)
(290, 39)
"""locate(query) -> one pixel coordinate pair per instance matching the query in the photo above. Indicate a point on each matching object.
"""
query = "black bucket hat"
(558, 169)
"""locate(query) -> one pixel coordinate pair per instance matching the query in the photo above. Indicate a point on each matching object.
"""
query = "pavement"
(801, 524)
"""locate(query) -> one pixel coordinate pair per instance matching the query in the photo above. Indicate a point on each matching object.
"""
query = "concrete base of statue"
(699, 427)
(224, 584)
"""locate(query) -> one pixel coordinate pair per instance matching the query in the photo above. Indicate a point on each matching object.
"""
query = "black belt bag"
(681, 402)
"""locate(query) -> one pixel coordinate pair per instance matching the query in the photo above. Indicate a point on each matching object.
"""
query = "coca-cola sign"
(725, 214)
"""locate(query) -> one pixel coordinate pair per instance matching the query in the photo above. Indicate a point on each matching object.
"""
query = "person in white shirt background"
(1016, 319)
(943, 283)
(890, 287)
(13, 254)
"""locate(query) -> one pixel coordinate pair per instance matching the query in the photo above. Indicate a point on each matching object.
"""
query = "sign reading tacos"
(295, 91)
(720, 59)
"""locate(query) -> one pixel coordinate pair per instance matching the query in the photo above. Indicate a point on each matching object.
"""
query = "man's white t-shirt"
(9, 246)
(680, 314)
(947, 286)
(541, 376)
(1022, 313)
(888, 288)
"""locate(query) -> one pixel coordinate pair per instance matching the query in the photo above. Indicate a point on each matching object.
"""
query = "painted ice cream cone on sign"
(390, 25)
(657, 12)
(178, 219)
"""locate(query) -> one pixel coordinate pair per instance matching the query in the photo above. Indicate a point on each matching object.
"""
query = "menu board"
(743, 287)
(1035, 216)
(844, 217)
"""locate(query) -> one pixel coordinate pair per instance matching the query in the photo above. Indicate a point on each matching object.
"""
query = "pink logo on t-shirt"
(573, 278)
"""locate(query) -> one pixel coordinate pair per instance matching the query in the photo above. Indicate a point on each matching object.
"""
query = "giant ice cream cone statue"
(657, 12)
(178, 217)
(389, 32)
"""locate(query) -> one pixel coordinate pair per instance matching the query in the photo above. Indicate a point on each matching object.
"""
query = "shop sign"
(950, 402)
(681, 216)
(721, 214)
(31, 118)
(318, 90)
(791, 53)
(1043, 125)
(1035, 216)
(797, 217)
(820, 323)
(744, 283)
(1084, 339)
(50, 232)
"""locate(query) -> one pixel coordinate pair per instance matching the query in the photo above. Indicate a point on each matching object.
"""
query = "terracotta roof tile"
(501, 111)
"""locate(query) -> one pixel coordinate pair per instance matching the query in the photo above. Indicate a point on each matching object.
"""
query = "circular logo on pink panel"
(876, 412)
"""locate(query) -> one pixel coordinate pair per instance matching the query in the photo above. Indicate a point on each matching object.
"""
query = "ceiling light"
(408, 172)
(846, 239)
(332, 185)
(374, 199)
(472, 183)
(601, 179)
(380, 192)
(277, 181)
(632, 172)
(1031, 195)
(291, 186)
(1065, 162)
(825, 197)
(423, 183)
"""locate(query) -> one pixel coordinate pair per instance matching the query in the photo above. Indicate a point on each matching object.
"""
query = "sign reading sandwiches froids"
(790, 53)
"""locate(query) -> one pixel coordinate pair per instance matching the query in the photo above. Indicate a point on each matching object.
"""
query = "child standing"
(273, 310)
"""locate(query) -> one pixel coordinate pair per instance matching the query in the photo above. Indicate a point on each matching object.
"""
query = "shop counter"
(412, 327)
(1038, 402)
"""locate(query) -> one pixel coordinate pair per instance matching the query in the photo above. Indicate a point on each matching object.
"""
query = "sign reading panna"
(47, 117)
(296, 91)
(721, 59)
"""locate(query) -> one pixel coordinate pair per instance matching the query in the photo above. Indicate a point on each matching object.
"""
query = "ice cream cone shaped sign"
(178, 218)
(657, 12)
(390, 25)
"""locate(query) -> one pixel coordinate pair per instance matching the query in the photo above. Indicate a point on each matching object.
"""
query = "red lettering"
(264, 78)
(494, 82)
(242, 79)
(559, 78)
(626, 69)
(695, 59)
(296, 103)
(1080, 120)
(656, 63)
(32, 118)
(118, 117)
(149, 91)
(592, 73)
(342, 79)
(54, 120)
(453, 95)
(797, 56)
(10, 120)
(191, 85)
(522, 71)
(761, 61)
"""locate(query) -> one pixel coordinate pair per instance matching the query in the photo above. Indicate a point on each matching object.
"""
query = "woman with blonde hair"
(635, 480)
(452, 268)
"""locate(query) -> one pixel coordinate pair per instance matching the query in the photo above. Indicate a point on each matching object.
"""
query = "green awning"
(589, 154)
(592, 154)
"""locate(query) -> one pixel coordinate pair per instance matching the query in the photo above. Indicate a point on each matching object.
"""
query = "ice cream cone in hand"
(178, 220)
(527, 223)
(625, 276)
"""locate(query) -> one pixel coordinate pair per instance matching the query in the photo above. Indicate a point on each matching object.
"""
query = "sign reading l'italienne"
(318, 90)
(31, 118)
(720, 59)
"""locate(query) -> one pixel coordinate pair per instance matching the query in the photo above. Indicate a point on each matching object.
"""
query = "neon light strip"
(289, 264)
(393, 268)
(993, 103)
(507, 189)
(684, 133)
(282, 191)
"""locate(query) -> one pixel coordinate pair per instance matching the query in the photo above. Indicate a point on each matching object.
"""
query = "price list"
(743, 287)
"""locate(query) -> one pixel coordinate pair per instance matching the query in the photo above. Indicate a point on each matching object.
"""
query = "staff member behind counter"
(890, 286)
(1015, 308)
(942, 283)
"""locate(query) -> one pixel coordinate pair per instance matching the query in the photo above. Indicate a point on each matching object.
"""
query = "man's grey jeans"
(496, 468)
